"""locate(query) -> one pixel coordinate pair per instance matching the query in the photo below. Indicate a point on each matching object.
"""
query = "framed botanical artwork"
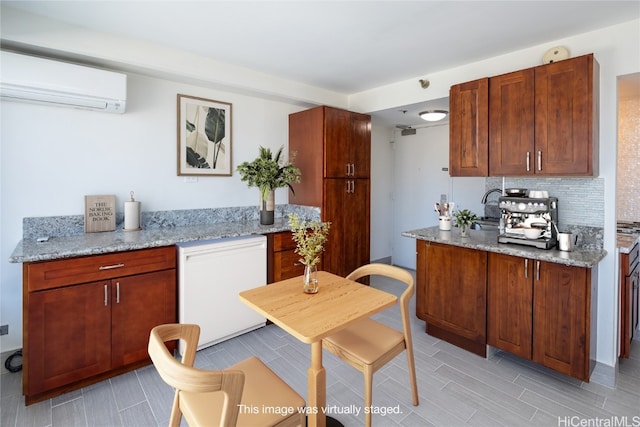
(204, 137)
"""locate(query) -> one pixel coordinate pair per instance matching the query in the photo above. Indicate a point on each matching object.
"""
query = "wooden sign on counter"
(99, 213)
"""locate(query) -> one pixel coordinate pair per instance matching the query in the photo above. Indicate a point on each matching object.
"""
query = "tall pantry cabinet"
(332, 148)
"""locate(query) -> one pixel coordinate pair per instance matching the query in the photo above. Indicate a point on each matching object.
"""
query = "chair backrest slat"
(184, 377)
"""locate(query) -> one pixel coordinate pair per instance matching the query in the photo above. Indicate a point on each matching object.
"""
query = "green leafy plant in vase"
(309, 237)
(268, 172)
(464, 219)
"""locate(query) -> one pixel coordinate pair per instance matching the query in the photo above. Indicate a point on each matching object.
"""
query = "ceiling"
(343, 46)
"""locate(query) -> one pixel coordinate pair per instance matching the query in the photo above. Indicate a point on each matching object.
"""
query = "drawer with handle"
(65, 272)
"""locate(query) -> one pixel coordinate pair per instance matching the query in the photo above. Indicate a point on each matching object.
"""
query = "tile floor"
(456, 388)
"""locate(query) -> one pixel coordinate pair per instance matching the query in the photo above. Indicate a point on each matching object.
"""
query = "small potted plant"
(268, 172)
(310, 237)
(464, 219)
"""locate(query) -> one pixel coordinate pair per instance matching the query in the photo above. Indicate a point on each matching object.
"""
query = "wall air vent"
(43, 81)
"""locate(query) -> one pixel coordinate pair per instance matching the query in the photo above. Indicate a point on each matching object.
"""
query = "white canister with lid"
(132, 214)
(444, 222)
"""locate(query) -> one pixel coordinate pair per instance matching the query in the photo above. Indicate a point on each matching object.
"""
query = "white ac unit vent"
(43, 81)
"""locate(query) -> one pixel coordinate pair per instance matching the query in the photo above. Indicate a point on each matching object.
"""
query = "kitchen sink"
(486, 223)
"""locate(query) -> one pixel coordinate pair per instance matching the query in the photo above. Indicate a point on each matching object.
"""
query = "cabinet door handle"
(539, 160)
(538, 270)
(348, 169)
(106, 295)
(526, 268)
(110, 267)
(528, 161)
(117, 292)
(353, 169)
(351, 186)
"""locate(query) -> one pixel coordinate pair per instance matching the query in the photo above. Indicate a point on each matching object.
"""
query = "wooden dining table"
(338, 303)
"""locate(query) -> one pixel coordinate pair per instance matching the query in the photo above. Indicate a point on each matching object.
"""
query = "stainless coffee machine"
(518, 214)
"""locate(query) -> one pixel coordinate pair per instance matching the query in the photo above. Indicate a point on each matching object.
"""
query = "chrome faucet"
(486, 195)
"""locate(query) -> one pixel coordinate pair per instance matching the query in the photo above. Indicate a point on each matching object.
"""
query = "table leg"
(316, 387)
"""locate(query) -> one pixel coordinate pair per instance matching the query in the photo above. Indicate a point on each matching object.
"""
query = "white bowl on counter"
(532, 233)
(538, 194)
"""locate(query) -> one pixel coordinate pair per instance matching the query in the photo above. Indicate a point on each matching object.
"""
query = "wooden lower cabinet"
(282, 262)
(451, 294)
(629, 278)
(78, 333)
(510, 306)
(347, 246)
(544, 312)
(69, 336)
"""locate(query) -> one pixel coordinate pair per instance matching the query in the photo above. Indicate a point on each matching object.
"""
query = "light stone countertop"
(28, 250)
(487, 240)
(625, 242)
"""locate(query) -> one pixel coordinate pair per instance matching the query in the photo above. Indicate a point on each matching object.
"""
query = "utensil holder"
(444, 223)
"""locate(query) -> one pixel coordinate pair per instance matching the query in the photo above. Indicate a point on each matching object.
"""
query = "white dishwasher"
(211, 273)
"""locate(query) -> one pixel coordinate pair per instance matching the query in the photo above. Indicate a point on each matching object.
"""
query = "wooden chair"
(225, 398)
(368, 345)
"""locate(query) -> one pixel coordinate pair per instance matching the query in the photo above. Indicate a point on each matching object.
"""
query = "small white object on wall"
(555, 54)
(132, 214)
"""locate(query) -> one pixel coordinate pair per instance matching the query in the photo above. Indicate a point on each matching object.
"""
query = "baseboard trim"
(604, 375)
(385, 260)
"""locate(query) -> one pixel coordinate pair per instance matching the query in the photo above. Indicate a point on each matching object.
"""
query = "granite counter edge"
(577, 258)
(111, 242)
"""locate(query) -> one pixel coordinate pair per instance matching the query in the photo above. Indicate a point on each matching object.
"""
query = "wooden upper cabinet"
(469, 128)
(511, 130)
(337, 134)
(538, 121)
(566, 120)
(328, 142)
(360, 145)
(347, 144)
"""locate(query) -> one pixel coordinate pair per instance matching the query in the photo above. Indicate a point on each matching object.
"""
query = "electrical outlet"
(4, 330)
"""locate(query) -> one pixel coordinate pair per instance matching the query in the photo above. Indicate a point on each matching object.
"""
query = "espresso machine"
(518, 214)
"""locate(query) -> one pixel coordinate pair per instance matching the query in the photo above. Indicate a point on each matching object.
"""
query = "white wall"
(382, 191)
(419, 180)
(52, 157)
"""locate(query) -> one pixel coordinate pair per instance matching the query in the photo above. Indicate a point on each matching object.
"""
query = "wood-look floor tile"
(9, 409)
(138, 415)
(100, 405)
(69, 414)
(35, 415)
(159, 394)
(127, 390)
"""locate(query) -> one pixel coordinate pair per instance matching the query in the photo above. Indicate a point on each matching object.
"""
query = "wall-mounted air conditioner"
(43, 81)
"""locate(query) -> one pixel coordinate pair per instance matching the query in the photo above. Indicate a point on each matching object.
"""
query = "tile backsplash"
(580, 204)
(580, 200)
(628, 181)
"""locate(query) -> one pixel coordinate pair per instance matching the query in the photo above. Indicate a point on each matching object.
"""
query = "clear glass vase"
(464, 230)
(310, 279)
